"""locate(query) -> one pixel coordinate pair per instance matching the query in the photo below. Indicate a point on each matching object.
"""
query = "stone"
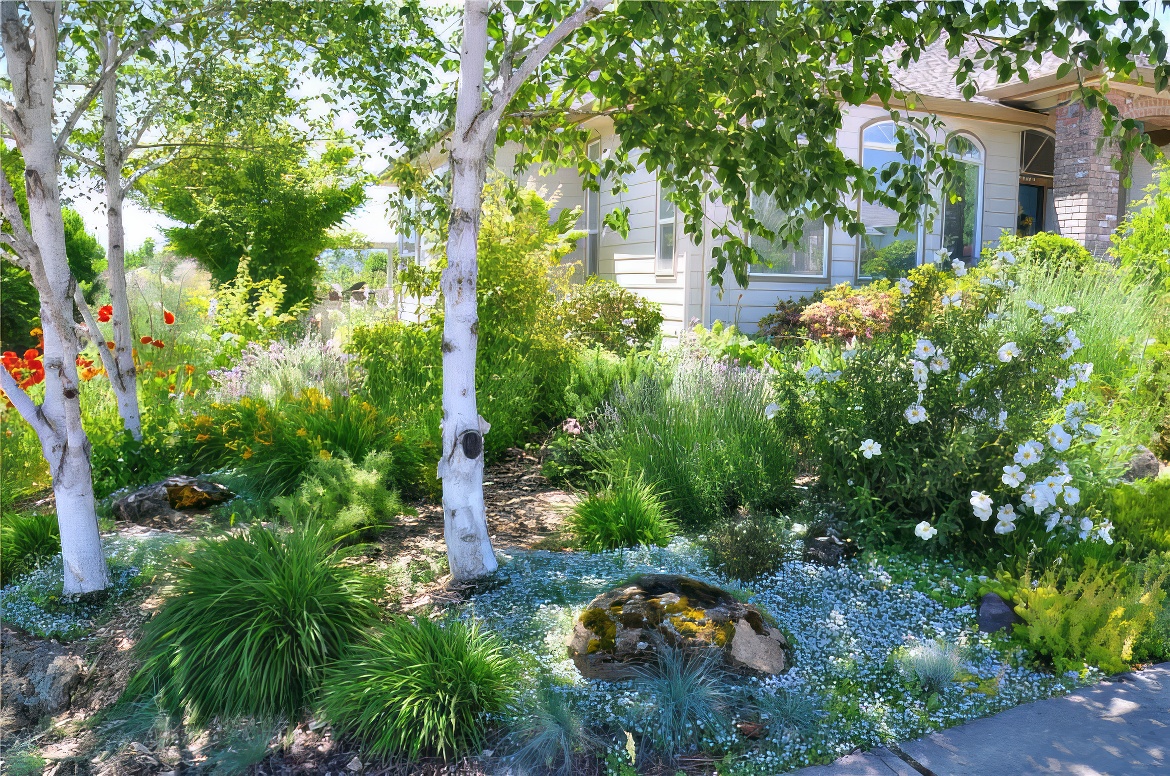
(996, 614)
(37, 679)
(1143, 465)
(626, 627)
(167, 499)
(829, 548)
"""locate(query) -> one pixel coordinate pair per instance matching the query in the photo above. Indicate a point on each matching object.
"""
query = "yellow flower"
(301, 432)
(247, 453)
(325, 454)
(202, 437)
(398, 438)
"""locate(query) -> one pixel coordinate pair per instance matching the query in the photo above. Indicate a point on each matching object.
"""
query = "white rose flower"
(919, 371)
(1007, 256)
(1086, 527)
(771, 410)
(915, 413)
(1103, 532)
(1006, 513)
(981, 504)
(959, 268)
(1028, 453)
(1004, 527)
(1008, 351)
(1013, 476)
(940, 364)
(925, 530)
(870, 448)
(924, 349)
(905, 284)
(1058, 438)
(1052, 521)
(1071, 495)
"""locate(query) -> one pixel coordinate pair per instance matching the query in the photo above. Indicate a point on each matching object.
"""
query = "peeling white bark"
(124, 377)
(32, 62)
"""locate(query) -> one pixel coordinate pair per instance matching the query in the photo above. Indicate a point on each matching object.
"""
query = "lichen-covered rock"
(627, 626)
(828, 547)
(1143, 465)
(165, 500)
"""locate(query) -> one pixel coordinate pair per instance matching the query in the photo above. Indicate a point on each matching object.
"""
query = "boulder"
(996, 614)
(626, 627)
(166, 500)
(1143, 465)
(37, 679)
(828, 547)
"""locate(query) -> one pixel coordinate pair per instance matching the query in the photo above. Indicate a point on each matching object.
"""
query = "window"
(885, 250)
(805, 258)
(1037, 162)
(664, 248)
(963, 201)
(593, 215)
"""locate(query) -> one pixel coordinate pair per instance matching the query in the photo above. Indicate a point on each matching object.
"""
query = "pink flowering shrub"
(845, 312)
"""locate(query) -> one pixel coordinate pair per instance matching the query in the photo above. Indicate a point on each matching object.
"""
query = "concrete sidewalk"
(1117, 727)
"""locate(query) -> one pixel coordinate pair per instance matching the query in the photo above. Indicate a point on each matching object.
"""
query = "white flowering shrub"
(969, 425)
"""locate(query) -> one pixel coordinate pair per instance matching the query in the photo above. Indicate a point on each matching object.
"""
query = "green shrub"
(1141, 245)
(274, 444)
(358, 500)
(626, 514)
(1048, 252)
(25, 542)
(23, 469)
(846, 312)
(702, 432)
(250, 624)
(523, 359)
(749, 546)
(1141, 515)
(1093, 616)
(597, 373)
(1153, 646)
(921, 431)
(728, 344)
(600, 312)
(415, 689)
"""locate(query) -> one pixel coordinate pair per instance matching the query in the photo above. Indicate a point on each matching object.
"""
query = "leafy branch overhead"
(726, 100)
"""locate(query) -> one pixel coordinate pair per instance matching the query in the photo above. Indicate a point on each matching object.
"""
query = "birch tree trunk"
(469, 548)
(32, 68)
(123, 379)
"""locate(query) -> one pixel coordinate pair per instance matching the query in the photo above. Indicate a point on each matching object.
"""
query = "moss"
(724, 634)
(603, 625)
(594, 645)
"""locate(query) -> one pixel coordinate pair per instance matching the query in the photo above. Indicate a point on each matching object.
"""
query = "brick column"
(1086, 186)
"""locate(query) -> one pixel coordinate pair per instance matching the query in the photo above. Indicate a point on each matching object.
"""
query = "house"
(1032, 163)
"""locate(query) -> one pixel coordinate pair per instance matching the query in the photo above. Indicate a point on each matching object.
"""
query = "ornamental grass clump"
(358, 501)
(704, 433)
(788, 712)
(26, 541)
(420, 689)
(250, 623)
(970, 426)
(628, 513)
(932, 667)
(689, 696)
(552, 734)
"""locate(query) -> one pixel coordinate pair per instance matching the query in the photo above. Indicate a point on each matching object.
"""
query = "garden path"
(1117, 727)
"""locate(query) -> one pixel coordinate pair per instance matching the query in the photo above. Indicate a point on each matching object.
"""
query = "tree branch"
(24, 404)
(92, 164)
(539, 52)
(139, 173)
(95, 333)
(21, 241)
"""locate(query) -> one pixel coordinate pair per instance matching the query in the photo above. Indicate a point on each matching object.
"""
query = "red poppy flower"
(105, 313)
(168, 317)
(31, 354)
(145, 339)
(9, 359)
(110, 345)
(157, 343)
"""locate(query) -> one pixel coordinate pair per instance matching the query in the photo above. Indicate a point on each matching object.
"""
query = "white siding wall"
(561, 188)
(1001, 146)
(630, 260)
(1142, 175)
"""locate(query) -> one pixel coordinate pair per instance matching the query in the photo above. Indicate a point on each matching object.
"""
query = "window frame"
(826, 258)
(659, 269)
(973, 139)
(408, 217)
(592, 214)
(919, 231)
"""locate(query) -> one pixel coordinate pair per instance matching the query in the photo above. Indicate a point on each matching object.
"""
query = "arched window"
(963, 200)
(885, 251)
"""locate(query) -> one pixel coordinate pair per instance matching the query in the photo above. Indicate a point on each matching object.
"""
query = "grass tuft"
(689, 696)
(26, 541)
(627, 514)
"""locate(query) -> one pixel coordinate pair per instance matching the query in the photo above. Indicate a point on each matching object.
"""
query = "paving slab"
(1114, 728)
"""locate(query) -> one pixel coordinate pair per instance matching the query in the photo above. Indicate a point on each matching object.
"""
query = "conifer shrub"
(746, 547)
(418, 689)
(250, 623)
(357, 500)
